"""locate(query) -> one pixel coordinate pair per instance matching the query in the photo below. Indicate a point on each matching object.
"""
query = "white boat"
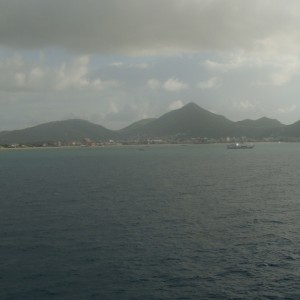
(240, 146)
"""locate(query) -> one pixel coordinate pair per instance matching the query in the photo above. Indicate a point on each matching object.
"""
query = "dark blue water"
(170, 222)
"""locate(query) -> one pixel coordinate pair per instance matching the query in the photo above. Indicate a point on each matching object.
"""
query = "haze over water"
(169, 222)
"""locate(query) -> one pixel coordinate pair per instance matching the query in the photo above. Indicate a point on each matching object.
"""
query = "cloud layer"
(150, 26)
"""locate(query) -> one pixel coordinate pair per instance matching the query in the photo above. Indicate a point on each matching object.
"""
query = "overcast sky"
(114, 62)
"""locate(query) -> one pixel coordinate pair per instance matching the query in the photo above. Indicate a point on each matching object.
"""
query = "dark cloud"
(144, 26)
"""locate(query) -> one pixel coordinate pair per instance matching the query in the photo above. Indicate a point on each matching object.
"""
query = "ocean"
(168, 222)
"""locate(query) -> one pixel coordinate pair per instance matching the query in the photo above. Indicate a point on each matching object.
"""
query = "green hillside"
(70, 130)
(190, 120)
(260, 123)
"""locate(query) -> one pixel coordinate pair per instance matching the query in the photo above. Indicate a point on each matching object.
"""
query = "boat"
(240, 146)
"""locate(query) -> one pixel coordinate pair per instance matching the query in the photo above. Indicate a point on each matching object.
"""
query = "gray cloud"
(148, 26)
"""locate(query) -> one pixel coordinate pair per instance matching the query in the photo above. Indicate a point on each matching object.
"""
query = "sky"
(113, 62)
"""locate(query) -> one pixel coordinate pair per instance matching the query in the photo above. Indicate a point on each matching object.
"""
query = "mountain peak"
(191, 105)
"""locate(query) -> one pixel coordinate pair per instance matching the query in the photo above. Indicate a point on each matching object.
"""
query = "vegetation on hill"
(69, 130)
(292, 130)
(190, 120)
(260, 123)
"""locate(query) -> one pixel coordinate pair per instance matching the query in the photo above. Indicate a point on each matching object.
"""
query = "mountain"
(263, 127)
(260, 123)
(292, 130)
(190, 120)
(70, 130)
(193, 121)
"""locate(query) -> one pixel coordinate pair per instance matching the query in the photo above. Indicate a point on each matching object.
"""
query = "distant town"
(87, 142)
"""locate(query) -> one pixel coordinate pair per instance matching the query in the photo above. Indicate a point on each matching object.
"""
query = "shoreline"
(132, 146)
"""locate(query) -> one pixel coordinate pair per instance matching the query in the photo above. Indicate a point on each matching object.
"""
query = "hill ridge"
(189, 121)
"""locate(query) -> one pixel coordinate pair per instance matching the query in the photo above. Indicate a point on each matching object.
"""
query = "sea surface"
(161, 222)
